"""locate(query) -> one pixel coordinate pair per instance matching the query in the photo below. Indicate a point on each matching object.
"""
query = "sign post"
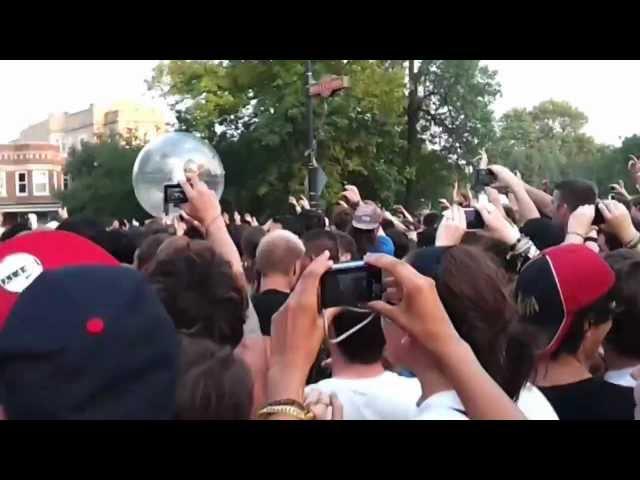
(325, 88)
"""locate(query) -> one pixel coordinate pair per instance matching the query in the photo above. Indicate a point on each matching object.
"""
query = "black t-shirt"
(266, 304)
(591, 399)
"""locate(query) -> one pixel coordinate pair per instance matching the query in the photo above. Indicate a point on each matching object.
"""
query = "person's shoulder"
(535, 405)
(385, 245)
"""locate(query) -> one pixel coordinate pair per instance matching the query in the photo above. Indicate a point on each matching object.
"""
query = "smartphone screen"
(474, 219)
(351, 284)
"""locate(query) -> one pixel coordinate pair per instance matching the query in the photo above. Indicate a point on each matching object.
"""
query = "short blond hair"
(278, 252)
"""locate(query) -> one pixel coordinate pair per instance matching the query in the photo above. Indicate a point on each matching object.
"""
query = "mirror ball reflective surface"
(166, 160)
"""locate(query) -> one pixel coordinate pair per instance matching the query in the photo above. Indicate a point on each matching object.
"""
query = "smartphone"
(484, 177)
(474, 219)
(173, 195)
(598, 219)
(350, 284)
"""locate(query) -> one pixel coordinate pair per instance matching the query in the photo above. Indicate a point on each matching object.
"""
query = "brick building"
(30, 173)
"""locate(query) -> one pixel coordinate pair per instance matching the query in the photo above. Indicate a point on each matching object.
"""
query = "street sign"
(329, 86)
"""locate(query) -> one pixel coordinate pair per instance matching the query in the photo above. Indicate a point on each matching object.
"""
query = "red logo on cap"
(95, 326)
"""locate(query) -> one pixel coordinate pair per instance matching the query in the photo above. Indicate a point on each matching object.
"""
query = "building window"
(3, 183)
(21, 184)
(55, 181)
(40, 182)
(66, 181)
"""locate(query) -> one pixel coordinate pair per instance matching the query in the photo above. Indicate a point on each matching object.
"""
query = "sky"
(605, 90)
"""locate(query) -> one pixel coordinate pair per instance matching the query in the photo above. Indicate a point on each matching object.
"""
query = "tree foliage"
(101, 184)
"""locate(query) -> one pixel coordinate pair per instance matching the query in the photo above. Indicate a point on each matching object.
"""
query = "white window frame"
(3, 183)
(55, 180)
(25, 183)
(66, 182)
(34, 174)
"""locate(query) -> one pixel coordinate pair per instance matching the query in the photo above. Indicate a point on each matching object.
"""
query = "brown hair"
(624, 336)
(213, 383)
(475, 293)
(148, 250)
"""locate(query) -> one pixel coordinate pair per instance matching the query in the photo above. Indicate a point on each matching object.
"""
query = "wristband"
(576, 234)
(210, 223)
(633, 243)
(591, 239)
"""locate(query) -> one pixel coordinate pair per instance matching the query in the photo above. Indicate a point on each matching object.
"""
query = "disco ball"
(169, 159)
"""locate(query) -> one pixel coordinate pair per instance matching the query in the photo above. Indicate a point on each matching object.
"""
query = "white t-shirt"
(447, 406)
(621, 377)
(388, 396)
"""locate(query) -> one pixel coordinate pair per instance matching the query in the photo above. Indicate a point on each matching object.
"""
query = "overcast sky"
(607, 91)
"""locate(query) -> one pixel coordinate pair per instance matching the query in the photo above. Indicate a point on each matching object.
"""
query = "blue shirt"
(384, 245)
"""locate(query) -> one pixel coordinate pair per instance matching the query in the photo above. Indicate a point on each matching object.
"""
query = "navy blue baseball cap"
(88, 342)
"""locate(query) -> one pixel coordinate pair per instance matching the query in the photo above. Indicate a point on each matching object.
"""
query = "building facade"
(71, 129)
(30, 174)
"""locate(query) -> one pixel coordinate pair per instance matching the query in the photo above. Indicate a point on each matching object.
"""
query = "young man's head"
(568, 195)
(200, 291)
(624, 336)
(364, 345)
(279, 256)
(342, 218)
(146, 253)
(565, 294)
(347, 248)
(213, 383)
(318, 241)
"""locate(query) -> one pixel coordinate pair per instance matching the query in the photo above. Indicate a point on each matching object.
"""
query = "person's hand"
(634, 169)
(179, 225)
(295, 204)
(190, 222)
(254, 222)
(580, 223)
(419, 311)
(297, 330)
(62, 213)
(323, 405)
(444, 204)
(494, 198)
(203, 205)
(618, 189)
(591, 242)
(135, 222)
(304, 203)
(504, 177)
(451, 228)
(237, 219)
(618, 221)
(352, 195)
(497, 225)
(343, 203)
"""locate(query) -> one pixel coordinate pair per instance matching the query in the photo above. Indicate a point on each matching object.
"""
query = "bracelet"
(591, 239)
(287, 402)
(576, 234)
(633, 243)
(289, 410)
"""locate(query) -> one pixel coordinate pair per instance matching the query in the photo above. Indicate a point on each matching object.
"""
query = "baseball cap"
(88, 342)
(24, 258)
(561, 282)
(367, 216)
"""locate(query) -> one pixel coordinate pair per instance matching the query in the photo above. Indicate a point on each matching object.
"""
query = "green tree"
(101, 180)
(546, 142)
(448, 111)
(254, 113)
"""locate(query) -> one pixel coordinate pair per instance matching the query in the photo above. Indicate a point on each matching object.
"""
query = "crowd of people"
(534, 314)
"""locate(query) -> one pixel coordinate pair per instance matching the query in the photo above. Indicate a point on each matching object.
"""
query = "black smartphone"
(474, 219)
(350, 284)
(598, 219)
(484, 177)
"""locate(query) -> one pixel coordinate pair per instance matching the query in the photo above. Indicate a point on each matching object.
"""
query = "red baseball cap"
(25, 257)
(559, 283)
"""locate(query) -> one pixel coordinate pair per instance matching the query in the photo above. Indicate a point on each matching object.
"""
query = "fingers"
(384, 309)
(310, 279)
(188, 191)
(396, 268)
(606, 214)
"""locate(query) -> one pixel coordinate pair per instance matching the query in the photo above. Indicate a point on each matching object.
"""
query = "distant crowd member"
(200, 291)
(316, 242)
(342, 218)
(366, 390)
(147, 251)
(367, 233)
(568, 195)
(250, 241)
(278, 263)
(213, 383)
(347, 249)
(401, 242)
(566, 294)
(622, 343)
